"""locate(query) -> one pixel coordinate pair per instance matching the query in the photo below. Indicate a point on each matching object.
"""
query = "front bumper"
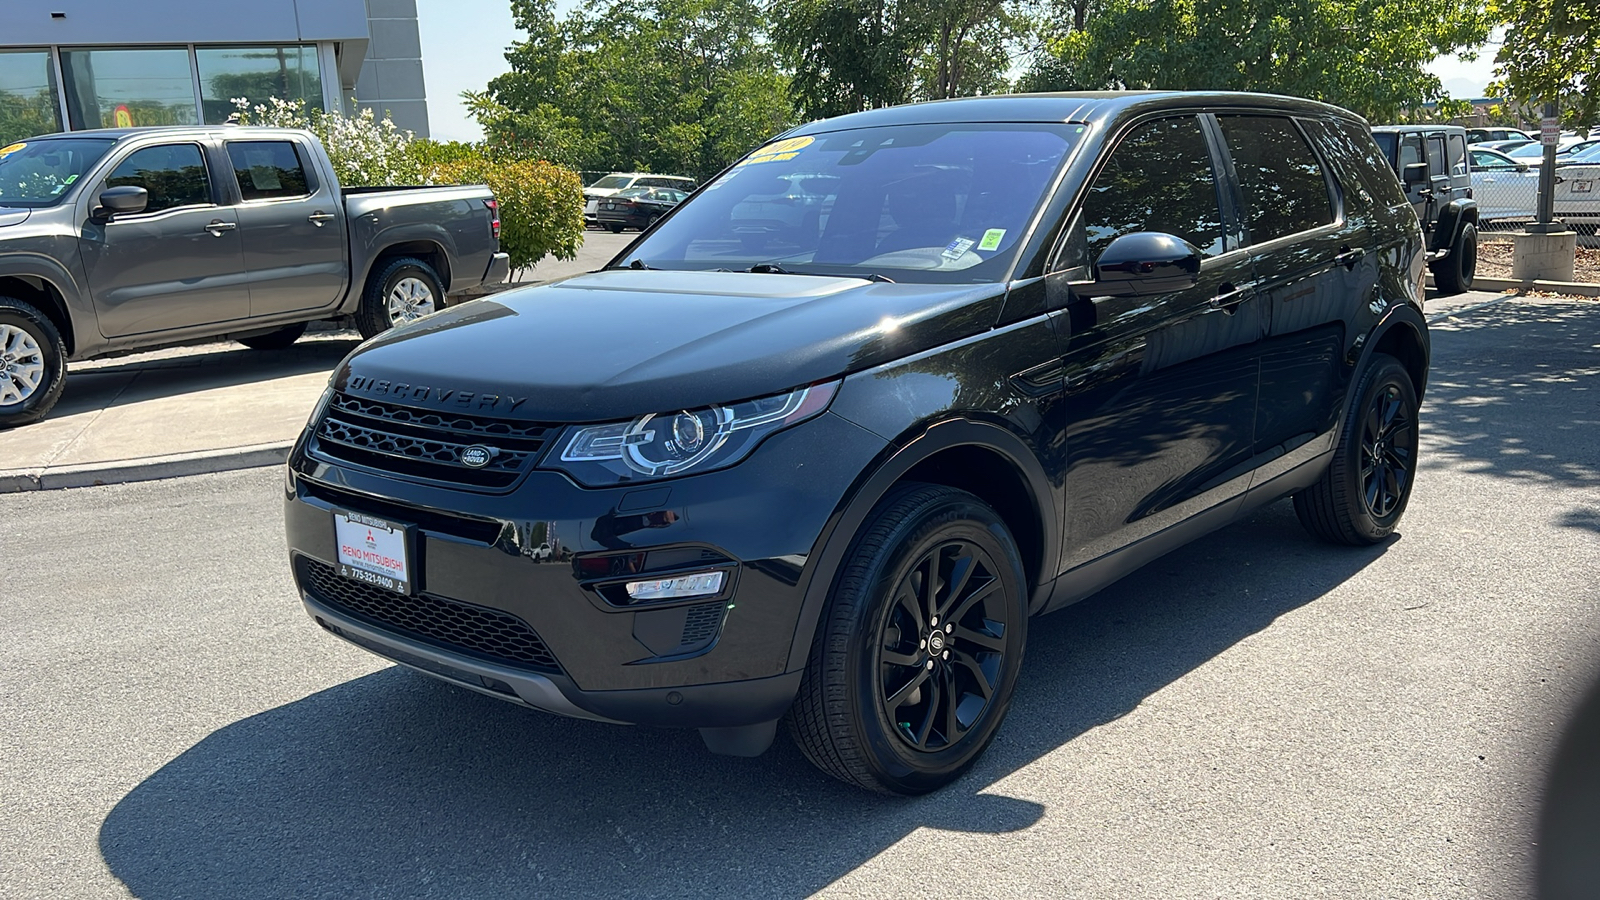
(548, 556)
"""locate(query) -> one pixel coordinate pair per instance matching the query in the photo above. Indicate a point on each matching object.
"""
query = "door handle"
(1487, 180)
(1349, 258)
(318, 217)
(1229, 297)
(217, 227)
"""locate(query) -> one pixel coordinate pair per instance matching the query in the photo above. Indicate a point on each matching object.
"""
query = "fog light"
(696, 585)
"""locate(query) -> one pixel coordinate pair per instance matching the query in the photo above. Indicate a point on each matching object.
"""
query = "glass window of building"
(122, 88)
(27, 95)
(256, 73)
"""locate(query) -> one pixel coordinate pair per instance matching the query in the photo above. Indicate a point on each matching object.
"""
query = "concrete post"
(1537, 256)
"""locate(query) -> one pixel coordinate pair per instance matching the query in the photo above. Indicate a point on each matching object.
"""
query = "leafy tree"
(1367, 55)
(1552, 53)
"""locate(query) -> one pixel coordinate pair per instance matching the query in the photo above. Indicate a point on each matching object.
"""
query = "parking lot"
(1255, 715)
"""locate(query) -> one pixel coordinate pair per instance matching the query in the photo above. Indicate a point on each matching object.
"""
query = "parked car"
(1533, 154)
(1505, 146)
(1432, 164)
(1480, 135)
(121, 239)
(1504, 188)
(638, 207)
(621, 181)
(1039, 341)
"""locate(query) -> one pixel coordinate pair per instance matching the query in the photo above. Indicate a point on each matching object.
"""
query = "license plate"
(373, 550)
(1582, 187)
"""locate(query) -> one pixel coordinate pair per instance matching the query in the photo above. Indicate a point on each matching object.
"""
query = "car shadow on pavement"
(213, 366)
(396, 785)
(1515, 393)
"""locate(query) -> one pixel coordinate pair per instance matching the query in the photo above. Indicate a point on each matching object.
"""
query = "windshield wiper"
(775, 269)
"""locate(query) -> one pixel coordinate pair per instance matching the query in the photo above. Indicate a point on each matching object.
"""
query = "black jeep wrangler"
(1434, 168)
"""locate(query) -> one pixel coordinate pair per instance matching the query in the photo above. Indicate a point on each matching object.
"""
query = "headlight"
(661, 445)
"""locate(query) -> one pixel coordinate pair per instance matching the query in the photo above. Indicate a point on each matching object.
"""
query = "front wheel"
(1454, 273)
(1361, 496)
(33, 363)
(404, 290)
(915, 659)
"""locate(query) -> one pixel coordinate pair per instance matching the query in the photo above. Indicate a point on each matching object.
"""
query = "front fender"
(1456, 213)
(78, 306)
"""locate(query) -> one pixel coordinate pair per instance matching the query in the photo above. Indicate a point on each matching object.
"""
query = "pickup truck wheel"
(616, 227)
(1360, 498)
(1454, 273)
(404, 290)
(275, 340)
(33, 364)
(914, 662)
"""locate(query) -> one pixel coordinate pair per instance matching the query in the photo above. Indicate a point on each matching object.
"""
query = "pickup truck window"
(173, 174)
(36, 174)
(268, 170)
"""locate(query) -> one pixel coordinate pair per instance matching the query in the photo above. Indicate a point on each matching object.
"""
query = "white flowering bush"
(366, 151)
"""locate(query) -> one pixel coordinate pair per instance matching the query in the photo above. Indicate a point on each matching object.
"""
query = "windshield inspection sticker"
(956, 248)
(782, 150)
(992, 238)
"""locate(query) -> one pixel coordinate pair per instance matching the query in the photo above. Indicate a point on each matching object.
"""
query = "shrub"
(366, 151)
(541, 205)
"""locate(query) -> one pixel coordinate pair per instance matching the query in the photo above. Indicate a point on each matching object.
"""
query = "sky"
(464, 41)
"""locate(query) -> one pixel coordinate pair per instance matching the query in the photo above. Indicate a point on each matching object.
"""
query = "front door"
(1160, 390)
(175, 265)
(292, 226)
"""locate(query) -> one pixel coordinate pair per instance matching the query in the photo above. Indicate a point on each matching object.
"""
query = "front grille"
(427, 444)
(489, 634)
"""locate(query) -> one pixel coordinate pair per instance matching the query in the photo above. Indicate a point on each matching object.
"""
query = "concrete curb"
(1573, 288)
(150, 468)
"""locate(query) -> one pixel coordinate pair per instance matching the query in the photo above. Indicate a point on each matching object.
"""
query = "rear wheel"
(404, 290)
(616, 227)
(1360, 498)
(33, 364)
(1454, 273)
(275, 340)
(914, 662)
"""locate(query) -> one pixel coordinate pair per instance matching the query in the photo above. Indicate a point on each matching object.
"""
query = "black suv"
(825, 470)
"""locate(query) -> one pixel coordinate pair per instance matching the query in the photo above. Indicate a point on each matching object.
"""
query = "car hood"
(12, 216)
(617, 344)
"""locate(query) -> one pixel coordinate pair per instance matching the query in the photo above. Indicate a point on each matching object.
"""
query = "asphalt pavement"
(1255, 715)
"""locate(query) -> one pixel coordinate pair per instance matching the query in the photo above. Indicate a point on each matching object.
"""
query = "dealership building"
(76, 64)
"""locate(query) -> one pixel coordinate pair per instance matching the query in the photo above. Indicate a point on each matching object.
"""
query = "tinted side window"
(268, 169)
(174, 174)
(1436, 156)
(1159, 178)
(1458, 155)
(1285, 190)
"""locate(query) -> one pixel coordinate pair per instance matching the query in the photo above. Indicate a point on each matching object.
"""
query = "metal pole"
(1545, 222)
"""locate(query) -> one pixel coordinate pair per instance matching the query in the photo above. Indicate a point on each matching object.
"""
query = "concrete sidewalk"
(219, 406)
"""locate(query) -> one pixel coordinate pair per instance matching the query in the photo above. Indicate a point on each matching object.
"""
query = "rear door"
(292, 226)
(1160, 390)
(177, 264)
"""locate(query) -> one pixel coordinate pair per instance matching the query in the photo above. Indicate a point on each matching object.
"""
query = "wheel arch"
(431, 252)
(1403, 334)
(1448, 227)
(44, 295)
(982, 458)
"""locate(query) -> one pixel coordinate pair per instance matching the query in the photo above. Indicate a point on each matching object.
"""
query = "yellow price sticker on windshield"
(779, 152)
(7, 151)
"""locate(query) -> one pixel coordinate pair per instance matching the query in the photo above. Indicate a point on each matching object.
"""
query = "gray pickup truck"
(124, 239)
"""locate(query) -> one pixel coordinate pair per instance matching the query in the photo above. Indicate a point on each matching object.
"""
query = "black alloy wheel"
(1360, 497)
(917, 653)
(942, 645)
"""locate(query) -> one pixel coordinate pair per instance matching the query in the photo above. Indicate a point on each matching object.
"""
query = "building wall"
(391, 79)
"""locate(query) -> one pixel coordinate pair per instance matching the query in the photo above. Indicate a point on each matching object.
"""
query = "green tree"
(1552, 53)
(1368, 55)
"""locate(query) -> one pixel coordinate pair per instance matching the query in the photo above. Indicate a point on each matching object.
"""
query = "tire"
(616, 227)
(878, 651)
(404, 289)
(1454, 273)
(275, 340)
(1360, 498)
(33, 364)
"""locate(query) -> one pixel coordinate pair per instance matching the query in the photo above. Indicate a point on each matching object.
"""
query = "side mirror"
(1414, 173)
(1522, 167)
(123, 201)
(1145, 262)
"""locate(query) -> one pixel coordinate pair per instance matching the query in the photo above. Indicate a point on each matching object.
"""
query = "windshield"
(37, 174)
(930, 203)
(612, 181)
(1525, 151)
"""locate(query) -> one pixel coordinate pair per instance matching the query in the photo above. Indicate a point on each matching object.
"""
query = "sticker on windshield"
(957, 248)
(7, 151)
(992, 238)
(782, 150)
